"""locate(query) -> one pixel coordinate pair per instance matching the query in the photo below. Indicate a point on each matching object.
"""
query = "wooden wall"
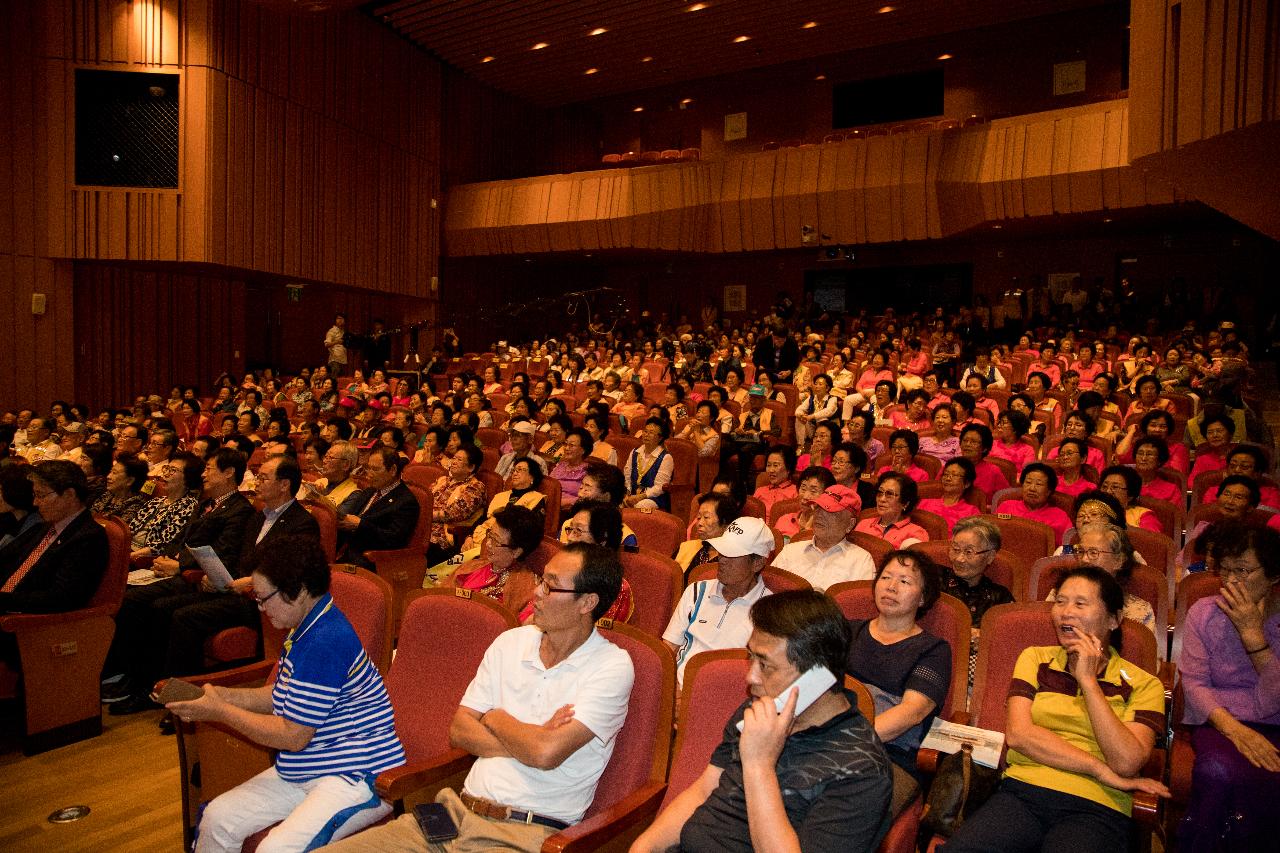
(1206, 94)
(883, 189)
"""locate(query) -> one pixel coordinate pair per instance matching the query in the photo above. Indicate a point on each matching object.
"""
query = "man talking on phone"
(541, 716)
(812, 777)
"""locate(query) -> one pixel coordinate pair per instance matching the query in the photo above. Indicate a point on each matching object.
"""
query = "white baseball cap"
(743, 536)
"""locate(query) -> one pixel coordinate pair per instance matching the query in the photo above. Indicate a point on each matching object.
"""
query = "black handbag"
(959, 789)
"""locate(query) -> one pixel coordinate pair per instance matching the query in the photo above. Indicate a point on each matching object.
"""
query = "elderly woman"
(327, 714)
(1038, 385)
(941, 443)
(1238, 496)
(848, 463)
(456, 498)
(123, 497)
(1080, 425)
(632, 409)
(597, 427)
(525, 478)
(858, 429)
(1038, 482)
(818, 405)
(1247, 460)
(513, 533)
(572, 466)
(957, 478)
(1107, 547)
(1159, 425)
(875, 371)
(907, 669)
(915, 415)
(1219, 432)
(649, 468)
(778, 468)
(820, 447)
(1070, 464)
(904, 444)
(1081, 723)
(896, 497)
(1230, 668)
(715, 513)
(1149, 456)
(159, 525)
(1148, 398)
(1125, 485)
(704, 429)
(975, 445)
(974, 543)
(598, 522)
(1011, 426)
(813, 482)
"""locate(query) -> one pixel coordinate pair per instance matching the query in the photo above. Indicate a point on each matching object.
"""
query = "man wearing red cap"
(828, 558)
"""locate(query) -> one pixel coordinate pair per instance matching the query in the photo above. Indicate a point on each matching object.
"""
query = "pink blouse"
(952, 514)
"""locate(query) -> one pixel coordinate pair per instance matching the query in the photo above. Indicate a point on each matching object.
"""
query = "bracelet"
(1262, 648)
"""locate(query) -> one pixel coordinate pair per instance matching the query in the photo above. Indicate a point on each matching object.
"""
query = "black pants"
(1022, 817)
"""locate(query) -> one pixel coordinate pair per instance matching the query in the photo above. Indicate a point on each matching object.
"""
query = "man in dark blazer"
(56, 566)
(777, 354)
(381, 516)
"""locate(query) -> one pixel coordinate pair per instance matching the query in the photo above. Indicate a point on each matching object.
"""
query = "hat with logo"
(838, 498)
(743, 536)
(756, 390)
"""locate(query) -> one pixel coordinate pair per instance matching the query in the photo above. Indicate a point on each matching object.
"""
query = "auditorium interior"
(194, 189)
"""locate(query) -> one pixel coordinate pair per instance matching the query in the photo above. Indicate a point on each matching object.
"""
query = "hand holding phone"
(811, 685)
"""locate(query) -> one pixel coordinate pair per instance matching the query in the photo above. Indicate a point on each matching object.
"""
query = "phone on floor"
(811, 685)
(435, 822)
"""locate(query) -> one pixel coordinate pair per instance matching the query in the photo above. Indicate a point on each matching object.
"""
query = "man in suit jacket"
(777, 354)
(381, 516)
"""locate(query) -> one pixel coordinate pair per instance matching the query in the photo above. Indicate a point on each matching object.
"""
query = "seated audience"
(715, 513)
(1247, 461)
(336, 484)
(381, 516)
(160, 525)
(514, 532)
(778, 469)
(1125, 485)
(649, 468)
(828, 558)
(1106, 546)
(975, 445)
(456, 498)
(526, 477)
(957, 478)
(813, 482)
(821, 443)
(896, 496)
(572, 466)
(1039, 482)
(940, 442)
(1011, 426)
(904, 444)
(1070, 466)
(520, 433)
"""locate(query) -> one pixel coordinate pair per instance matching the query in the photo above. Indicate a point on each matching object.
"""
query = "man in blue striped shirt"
(327, 713)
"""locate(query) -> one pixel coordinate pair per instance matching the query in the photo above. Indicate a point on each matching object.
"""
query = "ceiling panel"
(680, 44)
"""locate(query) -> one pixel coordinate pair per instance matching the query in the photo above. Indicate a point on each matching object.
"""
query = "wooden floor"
(128, 776)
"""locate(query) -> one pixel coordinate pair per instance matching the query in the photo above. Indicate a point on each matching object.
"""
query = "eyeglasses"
(548, 588)
(968, 553)
(881, 493)
(1095, 553)
(261, 601)
(1241, 572)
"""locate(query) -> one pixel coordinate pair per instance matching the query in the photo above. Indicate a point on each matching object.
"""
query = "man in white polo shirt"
(541, 715)
(713, 614)
(828, 558)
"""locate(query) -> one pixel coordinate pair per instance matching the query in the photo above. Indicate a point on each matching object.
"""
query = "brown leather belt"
(497, 811)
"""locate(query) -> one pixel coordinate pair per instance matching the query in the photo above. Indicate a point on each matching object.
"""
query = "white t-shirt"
(596, 679)
(843, 561)
(703, 620)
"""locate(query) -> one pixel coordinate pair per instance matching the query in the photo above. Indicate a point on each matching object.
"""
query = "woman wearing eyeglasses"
(1230, 669)
(513, 534)
(1107, 547)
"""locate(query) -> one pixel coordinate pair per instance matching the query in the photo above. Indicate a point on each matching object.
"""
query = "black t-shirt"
(979, 598)
(836, 786)
(921, 663)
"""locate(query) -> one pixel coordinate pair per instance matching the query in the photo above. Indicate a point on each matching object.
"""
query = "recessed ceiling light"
(820, 77)
(808, 25)
(687, 101)
(944, 56)
(646, 59)
(599, 31)
(997, 227)
(884, 9)
(1106, 219)
(539, 46)
(591, 71)
(741, 39)
(638, 110)
(696, 7)
(487, 59)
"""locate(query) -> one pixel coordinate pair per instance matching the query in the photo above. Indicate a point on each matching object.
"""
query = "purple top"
(570, 478)
(1216, 673)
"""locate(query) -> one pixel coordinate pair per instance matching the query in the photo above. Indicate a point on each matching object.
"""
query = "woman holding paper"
(327, 714)
(1081, 723)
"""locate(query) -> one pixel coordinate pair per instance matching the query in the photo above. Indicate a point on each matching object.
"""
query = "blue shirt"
(328, 683)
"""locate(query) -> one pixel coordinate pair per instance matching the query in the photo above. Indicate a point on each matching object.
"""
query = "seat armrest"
(16, 622)
(595, 832)
(403, 568)
(927, 760)
(240, 676)
(397, 783)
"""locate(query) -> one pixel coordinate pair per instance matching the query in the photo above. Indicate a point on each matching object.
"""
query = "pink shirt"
(1075, 489)
(915, 472)
(1209, 461)
(952, 514)
(1047, 514)
(1163, 490)
(1019, 454)
(805, 462)
(1087, 374)
(1270, 495)
(990, 478)
(899, 534)
(770, 495)
(870, 377)
(900, 420)
(1093, 457)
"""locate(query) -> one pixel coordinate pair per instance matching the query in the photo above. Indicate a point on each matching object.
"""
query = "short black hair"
(969, 472)
(600, 573)
(395, 462)
(192, 470)
(822, 475)
(523, 524)
(930, 575)
(1162, 448)
(342, 425)
(1234, 538)
(664, 427)
(724, 506)
(909, 436)
(536, 474)
(100, 458)
(604, 520)
(288, 469)
(16, 487)
(475, 456)
(909, 492)
(1132, 479)
(608, 479)
(1109, 590)
(1040, 468)
(136, 470)
(1255, 493)
(60, 475)
(813, 626)
(226, 458)
(984, 435)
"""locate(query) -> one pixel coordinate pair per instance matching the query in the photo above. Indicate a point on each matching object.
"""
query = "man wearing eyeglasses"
(160, 449)
(381, 516)
(974, 543)
(520, 433)
(336, 484)
(829, 558)
(541, 715)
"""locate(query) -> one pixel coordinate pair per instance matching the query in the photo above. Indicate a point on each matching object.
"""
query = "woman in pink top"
(824, 439)
(904, 444)
(1124, 484)
(1080, 425)
(916, 415)
(941, 442)
(1149, 456)
(1048, 365)
(957, 476)
(1248, 461)
(1156, 425)
(975, 444)
(896, 496)
(1087, 366)
(1038, 383)
(1010, 428)
(1071, 480)
(1039, 482)
(1218, 432)
(813, 482)
(977, 386)
(778, 486)
(865, 387)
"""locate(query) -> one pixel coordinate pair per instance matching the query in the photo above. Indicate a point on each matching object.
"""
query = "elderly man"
(160, 449)
(55, 566)
(337, 484)
(381, 516)
(41, 444)
(749, 439)
(132, 438)
(541, 714)
(837, 779)
(714, 614)
(828, 558)
(520, 432)
(72, 441)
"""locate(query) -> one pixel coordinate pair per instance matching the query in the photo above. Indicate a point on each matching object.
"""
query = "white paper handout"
(211, 564)
(949, 737)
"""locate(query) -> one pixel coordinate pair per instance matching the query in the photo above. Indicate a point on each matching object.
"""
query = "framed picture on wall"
(735, 298)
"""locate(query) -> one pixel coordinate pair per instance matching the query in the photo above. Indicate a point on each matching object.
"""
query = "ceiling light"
(944, 56)
(808, 25)
(820, 77)
(539, 46)
(646, 59)
(696, 7)
(741, 39)
(997, 227)
(487, 59)
(591, 71)
(884, 9)
(598, 31)
(687, 101)
(638, 110)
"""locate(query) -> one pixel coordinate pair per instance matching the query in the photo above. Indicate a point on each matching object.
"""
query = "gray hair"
(348, 453)
(1117, 539)
(986, 529)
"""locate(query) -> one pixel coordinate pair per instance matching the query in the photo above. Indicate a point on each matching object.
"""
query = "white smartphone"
(811, 685)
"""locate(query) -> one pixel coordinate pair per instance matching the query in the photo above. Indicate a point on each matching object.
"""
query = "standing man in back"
(335, 341)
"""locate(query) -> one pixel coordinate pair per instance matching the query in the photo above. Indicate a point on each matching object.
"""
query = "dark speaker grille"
(126, 129)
